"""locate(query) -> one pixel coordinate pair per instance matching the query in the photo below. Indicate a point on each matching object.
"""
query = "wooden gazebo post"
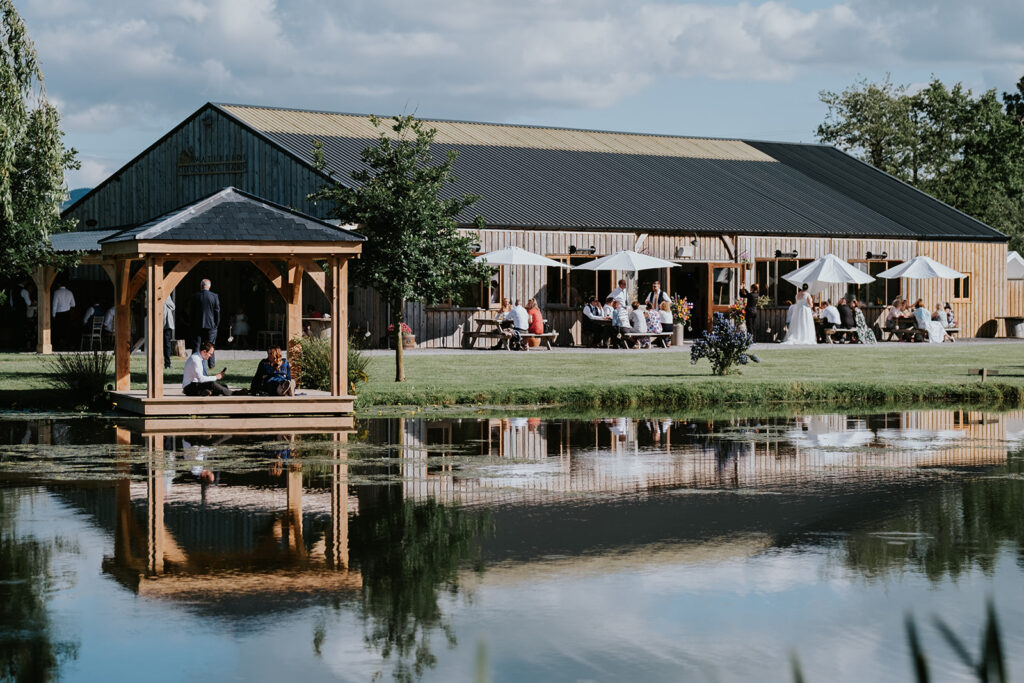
(43, 278)
(339, 325)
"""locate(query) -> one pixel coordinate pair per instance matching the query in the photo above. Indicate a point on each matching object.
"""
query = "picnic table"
(489, 328)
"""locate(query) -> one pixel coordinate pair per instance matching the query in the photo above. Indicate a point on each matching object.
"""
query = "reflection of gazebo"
(228, 225)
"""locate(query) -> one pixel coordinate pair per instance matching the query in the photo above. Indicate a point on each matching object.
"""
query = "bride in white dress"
(801, 320)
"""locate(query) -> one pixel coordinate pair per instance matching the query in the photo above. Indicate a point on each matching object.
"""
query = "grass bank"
(837, 376)
(841, 377)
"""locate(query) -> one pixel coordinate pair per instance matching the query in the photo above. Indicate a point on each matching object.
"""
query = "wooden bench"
(545, 337)
(829, 331)
(473, 336)
(660, 337)
(916, 332)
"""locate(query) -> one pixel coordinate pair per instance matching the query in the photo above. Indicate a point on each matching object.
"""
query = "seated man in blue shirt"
(195, 381)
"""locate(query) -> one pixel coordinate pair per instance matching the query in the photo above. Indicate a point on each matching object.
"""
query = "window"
(484, 294)
(882, 291)
(768, 275)
(573, 288)
(962, 288)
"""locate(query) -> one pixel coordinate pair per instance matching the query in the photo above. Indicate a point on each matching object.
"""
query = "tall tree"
(414, 250)
(965, 150)
(32, 154)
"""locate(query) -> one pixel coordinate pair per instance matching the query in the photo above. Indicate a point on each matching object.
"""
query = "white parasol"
(517, 256)
(626, 260)
(920, 268)
(825, 271)
(1014, 266)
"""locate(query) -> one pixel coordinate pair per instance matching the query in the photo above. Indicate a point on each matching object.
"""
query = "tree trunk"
(399, 341)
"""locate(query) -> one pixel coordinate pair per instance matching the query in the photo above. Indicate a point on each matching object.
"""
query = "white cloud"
(147, 63)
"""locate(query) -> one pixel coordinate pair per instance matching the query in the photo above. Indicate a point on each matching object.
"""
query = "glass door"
(723, 288)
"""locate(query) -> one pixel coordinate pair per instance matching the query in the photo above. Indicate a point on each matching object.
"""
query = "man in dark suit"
(750, 308)
(849, 320)
(205, 317)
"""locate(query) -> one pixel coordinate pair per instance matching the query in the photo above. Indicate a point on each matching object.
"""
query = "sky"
(124, 73)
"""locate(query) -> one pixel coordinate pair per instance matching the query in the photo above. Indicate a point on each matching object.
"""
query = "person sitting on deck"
(195, 381)
(273, 375)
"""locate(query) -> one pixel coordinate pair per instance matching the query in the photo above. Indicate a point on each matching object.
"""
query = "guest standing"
(656, 296)
(206, 317)
(750, 308)
(63, 302)
(168, 330)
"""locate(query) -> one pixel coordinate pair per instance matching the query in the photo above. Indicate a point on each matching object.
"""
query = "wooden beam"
(136, 283)
(43, 278)
(176, 274)
(339, 323)
(315, 272)
(122, 327)
(293, 303)
(268, 268)
(155, 328)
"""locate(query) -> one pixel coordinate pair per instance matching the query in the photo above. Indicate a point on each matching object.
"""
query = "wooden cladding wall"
(447, 327)
(1015, 298)
(207, 153)
(986, 264)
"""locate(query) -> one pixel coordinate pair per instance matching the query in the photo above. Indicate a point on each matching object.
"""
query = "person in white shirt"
(594, 322)
(830, 315)
(621, 295)
(195, 381)
(520, 324)
(638, 325)
(656, 296)
(63, 302)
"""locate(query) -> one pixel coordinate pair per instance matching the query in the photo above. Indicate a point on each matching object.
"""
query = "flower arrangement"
(682, 310)
(725, 346)
(405, 328)
(737, 313)
(764, 301)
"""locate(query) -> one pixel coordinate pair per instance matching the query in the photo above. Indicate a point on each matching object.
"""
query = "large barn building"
(730, 212)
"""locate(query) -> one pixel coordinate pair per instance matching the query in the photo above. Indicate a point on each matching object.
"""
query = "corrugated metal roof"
(326, 124)
(922, 214)
(87, 240)
(231, 215)
(577, 179)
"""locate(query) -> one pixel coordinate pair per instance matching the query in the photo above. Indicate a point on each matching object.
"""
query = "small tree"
(725, 346)
(32, 154)
(414, 251)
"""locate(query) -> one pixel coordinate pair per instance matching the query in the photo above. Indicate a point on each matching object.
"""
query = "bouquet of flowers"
(405, 328)
(764, 301)
(682, 310)
(736, 312)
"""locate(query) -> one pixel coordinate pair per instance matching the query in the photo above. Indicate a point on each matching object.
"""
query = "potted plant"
(408, 338)
(682, 310)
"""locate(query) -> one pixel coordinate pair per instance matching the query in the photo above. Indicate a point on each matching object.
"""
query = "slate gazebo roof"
(233, 216)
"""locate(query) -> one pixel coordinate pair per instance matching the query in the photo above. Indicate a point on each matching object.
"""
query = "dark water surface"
(509, 549)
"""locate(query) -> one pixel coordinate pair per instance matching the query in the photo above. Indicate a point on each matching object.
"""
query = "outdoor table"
(318, 327)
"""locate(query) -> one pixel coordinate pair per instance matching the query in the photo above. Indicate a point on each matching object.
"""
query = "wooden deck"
(306, 402)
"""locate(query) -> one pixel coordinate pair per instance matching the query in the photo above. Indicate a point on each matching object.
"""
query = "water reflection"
(398, 521)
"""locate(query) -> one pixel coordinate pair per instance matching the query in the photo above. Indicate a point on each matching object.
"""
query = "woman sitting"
(638, 325)
(935, 330)
(273, 376)
(653, 316)
(864, 333)
(666, 319)
(536, 317)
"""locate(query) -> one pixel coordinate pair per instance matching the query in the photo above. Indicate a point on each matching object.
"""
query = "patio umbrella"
(920, 268)
(517, 256)
(825, 271)
(626, 260)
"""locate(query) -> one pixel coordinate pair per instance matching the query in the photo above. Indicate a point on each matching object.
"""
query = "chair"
(274, 334)
(93, 335)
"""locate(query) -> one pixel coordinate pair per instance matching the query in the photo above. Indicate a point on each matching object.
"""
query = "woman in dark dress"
(273, 375)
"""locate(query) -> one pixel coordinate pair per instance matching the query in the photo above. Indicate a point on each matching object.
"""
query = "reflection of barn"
(730, 212)
(542, 460)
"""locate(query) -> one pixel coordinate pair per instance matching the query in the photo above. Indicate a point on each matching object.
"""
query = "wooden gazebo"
(229, 225)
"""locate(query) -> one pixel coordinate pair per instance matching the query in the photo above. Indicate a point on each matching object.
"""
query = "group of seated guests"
(608, 325)
(847, 316)
(273, 376)
(518, 320)
(934, 322)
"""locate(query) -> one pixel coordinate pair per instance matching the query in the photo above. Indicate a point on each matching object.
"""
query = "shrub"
(314, 364)
(725, 346)
(81, 376)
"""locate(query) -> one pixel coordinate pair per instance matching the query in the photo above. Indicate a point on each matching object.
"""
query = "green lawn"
(841, 376)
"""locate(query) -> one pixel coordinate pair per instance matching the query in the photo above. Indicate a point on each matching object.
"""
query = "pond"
(508, 549)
